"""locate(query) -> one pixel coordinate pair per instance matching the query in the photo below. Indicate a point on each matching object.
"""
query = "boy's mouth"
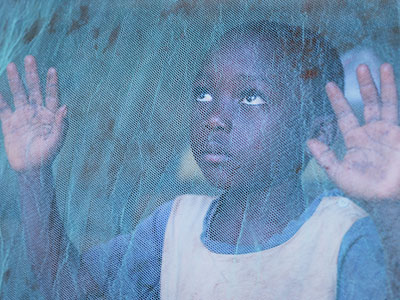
(215, 158)
(215, 152)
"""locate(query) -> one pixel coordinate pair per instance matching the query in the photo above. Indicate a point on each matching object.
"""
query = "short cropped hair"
(312, 58)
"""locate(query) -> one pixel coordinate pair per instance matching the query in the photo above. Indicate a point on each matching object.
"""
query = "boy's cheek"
(197, 135)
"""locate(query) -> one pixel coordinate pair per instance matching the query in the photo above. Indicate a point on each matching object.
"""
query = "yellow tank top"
(304, 267)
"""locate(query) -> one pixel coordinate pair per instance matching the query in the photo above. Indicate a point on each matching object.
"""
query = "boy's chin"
(237, 183)
(219, 182)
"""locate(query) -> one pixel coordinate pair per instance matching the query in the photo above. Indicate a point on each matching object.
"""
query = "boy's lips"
(215, 152)
(215, 158)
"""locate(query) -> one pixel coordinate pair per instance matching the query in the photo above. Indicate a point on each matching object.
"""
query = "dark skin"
(241, 121)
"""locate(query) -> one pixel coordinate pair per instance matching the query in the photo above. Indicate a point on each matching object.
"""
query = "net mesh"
(171, 98)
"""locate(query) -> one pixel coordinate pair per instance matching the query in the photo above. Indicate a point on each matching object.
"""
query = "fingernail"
(386, 67)
(10, 66)
(363, 68)
(29, 58)
(330, 85)
(310, 142)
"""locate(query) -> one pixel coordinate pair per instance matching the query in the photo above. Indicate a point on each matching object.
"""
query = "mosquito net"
(199, 149)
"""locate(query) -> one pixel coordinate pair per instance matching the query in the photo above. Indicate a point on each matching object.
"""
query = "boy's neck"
(266, 211)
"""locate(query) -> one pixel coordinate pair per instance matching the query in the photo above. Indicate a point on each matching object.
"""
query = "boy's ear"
(324, 128)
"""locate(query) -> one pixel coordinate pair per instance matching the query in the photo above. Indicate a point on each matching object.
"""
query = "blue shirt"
(129, 266)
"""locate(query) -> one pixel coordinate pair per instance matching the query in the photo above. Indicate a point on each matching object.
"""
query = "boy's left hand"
(370, 169)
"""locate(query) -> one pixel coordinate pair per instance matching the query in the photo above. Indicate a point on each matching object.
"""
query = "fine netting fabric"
(175, 164)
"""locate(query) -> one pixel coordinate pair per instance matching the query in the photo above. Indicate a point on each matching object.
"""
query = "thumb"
(325, 157)
(59, 128)
(61, 114)
(5, 111)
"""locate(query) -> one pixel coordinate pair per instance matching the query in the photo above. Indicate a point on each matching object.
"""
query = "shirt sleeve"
(129, 266)
(361, 265)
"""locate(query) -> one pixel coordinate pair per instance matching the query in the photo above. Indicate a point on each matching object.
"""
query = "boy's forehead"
(247, 59)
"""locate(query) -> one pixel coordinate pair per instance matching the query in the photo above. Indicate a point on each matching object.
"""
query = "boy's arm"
(361, 264)
(387, 218)
(33, 134)
(55, 261)
(129, 266)
(370, 169)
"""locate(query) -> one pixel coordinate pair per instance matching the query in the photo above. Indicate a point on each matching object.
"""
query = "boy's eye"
(203, 96)
(252, 98)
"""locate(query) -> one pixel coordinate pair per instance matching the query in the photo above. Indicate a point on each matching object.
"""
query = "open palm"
(370, 169)
(33, 133)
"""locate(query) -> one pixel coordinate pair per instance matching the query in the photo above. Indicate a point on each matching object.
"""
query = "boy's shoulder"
(340, 206)
(335, 215)
(360, 234)
(191, 205)
(361, 263)
(193, 198)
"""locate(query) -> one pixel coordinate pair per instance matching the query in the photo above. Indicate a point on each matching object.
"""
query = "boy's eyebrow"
(249, 77)
(243, 77)
(267, 78)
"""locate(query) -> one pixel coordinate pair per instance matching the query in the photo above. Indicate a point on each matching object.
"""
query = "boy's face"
(244, 127)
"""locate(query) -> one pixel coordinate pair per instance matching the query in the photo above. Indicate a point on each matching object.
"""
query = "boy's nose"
(220, 117)
(216, 123)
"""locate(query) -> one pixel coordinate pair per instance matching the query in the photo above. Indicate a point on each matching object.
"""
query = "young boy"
(257, 99)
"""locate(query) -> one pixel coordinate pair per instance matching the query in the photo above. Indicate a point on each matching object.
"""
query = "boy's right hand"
(33, 133)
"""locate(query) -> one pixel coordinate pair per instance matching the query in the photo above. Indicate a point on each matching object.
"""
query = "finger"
(369, 94)
(325, 157)
(58, 134)
(61, 113)
(52, 90)
(347, 121)
(16, 86)
(32, 80)
(389, 94)
(5, 110)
